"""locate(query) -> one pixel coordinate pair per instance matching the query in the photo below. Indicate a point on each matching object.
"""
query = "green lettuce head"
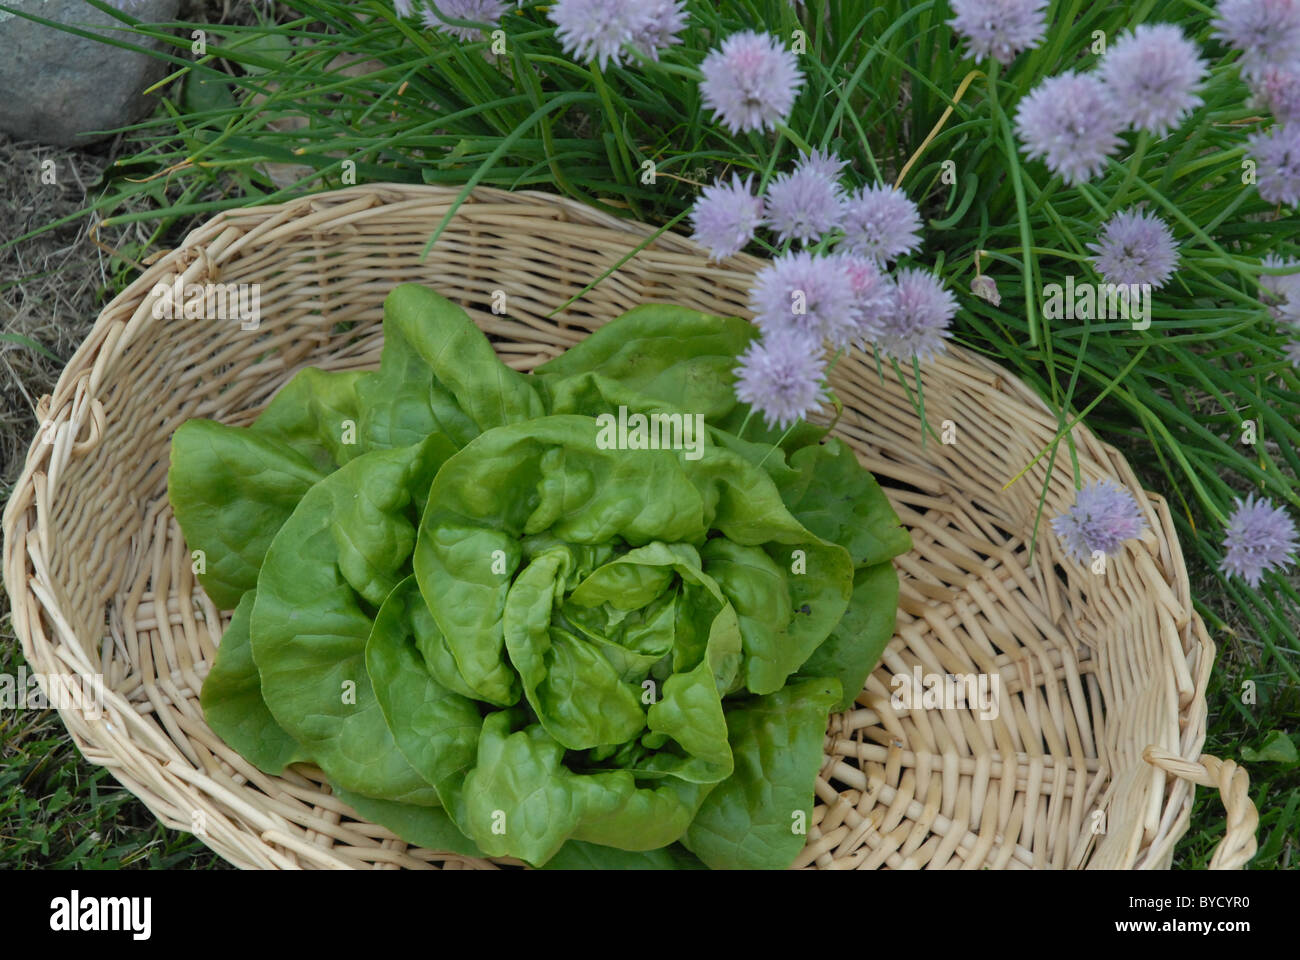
(499, 626)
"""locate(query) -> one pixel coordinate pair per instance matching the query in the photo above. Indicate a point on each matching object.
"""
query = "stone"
(54, 86)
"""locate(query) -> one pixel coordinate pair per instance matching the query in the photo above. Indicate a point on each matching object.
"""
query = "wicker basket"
(1090, 762)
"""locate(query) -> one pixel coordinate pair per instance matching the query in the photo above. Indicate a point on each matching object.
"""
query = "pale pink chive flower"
(805, 203)
(986, 288)
(486, 12)
(1000, 29)
(597, 30)
(665, 19)
(726, 216)
(1278, 90)
(1267, 32)
(782, 378)
(880, 222)
(919, 326)
(403, 7)
(1104, 515)
(1292, 351)
(1277, 158)
(1261, 537)
(1281, 292)
(1153, 74)
(1135, 247)
(803, 296)
(1070, 122)
(875, 296)
(750, 81)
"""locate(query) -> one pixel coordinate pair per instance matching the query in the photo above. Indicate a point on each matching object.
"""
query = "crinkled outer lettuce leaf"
(339, 554)
(656, 357)
(758, 817)
(232, 701)
(498, 636)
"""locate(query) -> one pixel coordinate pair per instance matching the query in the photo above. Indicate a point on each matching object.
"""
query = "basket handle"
(1238, 844)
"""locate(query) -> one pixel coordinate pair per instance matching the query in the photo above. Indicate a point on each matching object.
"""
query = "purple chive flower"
(1000, 29)
(1135, 247)
(1282, 291)
(596, 30)
(1278, 90)
(1153, 74)
(1071, 122)
(725, 217)
(1261, 537)
(664, 20)
(1267, 32)
(403, 7)
(1292, 352)
(1277, 158)
(479, 11)
(1104, 515)
(919, 324)
(823, 162)
(1280, 285)
(875, 296)
(782, 378)
(880, 222)
(805, 203)
(750, 81)
(804, 296)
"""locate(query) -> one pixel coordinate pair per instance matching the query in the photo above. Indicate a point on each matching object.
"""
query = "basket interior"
(1092, 667)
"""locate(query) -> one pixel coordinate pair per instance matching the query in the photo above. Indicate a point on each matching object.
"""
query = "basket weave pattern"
(1089, 763)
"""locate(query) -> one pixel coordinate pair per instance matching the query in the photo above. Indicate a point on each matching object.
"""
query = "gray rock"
(55, 86)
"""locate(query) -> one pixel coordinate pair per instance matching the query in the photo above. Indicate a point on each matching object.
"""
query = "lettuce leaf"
(757, 819)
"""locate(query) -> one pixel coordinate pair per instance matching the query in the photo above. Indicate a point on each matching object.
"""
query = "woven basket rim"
(77, 420)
